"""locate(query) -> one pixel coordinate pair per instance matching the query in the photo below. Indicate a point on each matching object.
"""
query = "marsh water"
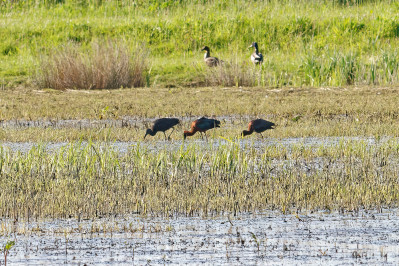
(126, 121)
(123, 147)
(264, 238)
(270, 238)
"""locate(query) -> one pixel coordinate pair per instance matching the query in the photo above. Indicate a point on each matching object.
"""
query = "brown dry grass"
(374, 103)
(232, 74)
(297, 112)
(108, 65)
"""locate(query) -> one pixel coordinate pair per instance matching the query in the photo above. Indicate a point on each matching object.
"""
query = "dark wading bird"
(202, 125)
(162, 125)
(256, 57)
(257, 125)
(209, 60)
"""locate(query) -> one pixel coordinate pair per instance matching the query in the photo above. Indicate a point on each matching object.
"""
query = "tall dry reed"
(107, 65)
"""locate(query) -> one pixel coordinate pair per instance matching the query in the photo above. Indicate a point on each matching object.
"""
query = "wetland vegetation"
(91, 180)
(72, 123)
(304, 43)
(123, 115)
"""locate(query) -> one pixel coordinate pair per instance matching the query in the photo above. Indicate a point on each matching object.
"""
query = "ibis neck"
(247, 132)
(190, 133)
(152, 133)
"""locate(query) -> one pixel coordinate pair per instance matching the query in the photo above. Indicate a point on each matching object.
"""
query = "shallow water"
(270, 238)
(124, 147)
(125, 121)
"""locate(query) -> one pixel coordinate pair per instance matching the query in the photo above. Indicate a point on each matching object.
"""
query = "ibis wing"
(164, 124)
(205, 123)
(261, 125)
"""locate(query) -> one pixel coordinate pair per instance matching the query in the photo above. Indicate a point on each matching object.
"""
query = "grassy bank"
(29, 115)
(313, 43)
(377, 103)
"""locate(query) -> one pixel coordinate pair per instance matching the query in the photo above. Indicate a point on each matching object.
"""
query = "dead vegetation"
(106, 65)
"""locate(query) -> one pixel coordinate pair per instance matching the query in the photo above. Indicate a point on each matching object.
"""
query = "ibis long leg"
(173, 129)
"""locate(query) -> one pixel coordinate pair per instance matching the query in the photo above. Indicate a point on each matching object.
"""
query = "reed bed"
(107, 65)
(89, 180)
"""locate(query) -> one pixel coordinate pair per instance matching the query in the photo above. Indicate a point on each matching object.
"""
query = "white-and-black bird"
(256, 57)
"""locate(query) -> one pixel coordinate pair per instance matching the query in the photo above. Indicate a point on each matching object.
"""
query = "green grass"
(90, 180)
(316, 43)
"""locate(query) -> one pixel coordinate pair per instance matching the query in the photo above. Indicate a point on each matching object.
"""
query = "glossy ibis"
(162, 125)
(258, 125)
(209, 60)
(202, 125)
(256, 57)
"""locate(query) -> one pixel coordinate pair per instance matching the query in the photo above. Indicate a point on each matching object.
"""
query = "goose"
(209, 60)
(256, 57)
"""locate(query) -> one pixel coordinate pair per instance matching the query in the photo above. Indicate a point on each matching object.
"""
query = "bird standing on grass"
(209, 60)
(257, 125)
(162, 124)
(256, 57)
(202, 125)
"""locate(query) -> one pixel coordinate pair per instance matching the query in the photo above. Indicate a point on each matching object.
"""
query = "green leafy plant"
(6, 250)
